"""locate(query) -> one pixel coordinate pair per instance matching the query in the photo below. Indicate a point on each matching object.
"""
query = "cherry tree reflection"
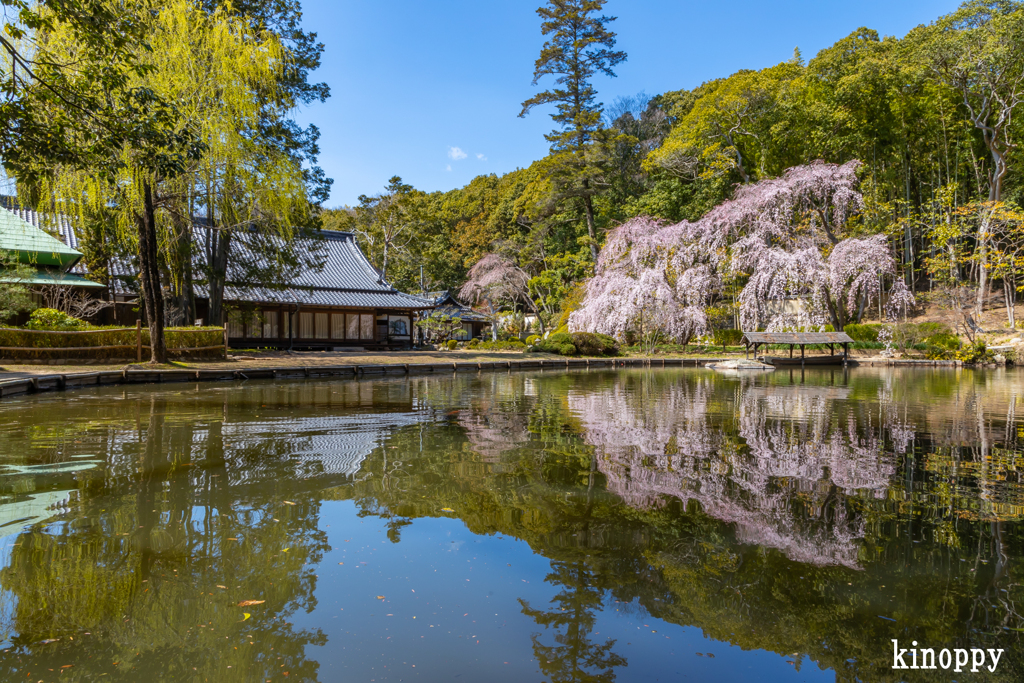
(778, 461)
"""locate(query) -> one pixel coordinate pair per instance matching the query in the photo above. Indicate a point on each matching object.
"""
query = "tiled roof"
(33, 244)
(445, 303)
(346, 279)
(324, 297)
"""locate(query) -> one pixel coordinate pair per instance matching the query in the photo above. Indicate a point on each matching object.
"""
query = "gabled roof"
(31, 244)
(445, 303)
(346, 279)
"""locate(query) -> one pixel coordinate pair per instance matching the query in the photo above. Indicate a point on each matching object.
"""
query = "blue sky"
(431, 91)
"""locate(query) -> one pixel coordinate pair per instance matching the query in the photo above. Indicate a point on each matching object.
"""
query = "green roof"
(32, 245)
(46, 277)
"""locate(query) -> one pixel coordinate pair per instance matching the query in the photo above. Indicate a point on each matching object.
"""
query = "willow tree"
(230, 81)
(220, 74)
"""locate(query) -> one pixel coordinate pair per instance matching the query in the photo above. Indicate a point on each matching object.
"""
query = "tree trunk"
(149, 274)
(218, 249)
(494, 321)
(835, 313)
(181, 271)
(588, 205)
(1010, 294)
(983, 237)
(860, 307)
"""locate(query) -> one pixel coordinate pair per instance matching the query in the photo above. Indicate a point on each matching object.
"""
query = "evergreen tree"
(580, 46)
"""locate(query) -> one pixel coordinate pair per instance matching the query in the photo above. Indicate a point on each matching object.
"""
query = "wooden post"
(802, 347)
(831, 349)
(225, 341)
(791, 351)
(138, 340)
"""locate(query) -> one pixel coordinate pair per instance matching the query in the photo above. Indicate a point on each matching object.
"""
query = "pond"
(631, 525)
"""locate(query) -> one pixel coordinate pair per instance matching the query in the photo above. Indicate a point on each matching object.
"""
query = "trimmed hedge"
(863, 333)
(180, 341)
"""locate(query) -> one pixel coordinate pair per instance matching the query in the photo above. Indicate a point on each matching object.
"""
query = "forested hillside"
(930, 116)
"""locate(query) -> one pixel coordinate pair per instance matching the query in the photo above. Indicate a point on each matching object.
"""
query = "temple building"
(55, 261)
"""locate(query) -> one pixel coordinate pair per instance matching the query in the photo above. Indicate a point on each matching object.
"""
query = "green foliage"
(559, 343)
(183, 341)
(970, 354)
(588, 344)
(532, 339)
(440, 325)
(727, 337)
(50, 319)
(14, 295)
(578, 343)
(452, 344)
(862, 333)
(501, 345)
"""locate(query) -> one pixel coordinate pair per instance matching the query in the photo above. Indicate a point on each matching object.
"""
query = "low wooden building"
(344, 304)
(473, 323)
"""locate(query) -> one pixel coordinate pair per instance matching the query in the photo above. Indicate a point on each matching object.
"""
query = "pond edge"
(63, 382)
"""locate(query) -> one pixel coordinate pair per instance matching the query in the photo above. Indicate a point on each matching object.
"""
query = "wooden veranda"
(753, 340)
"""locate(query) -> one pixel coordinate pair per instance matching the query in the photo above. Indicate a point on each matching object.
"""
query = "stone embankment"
(142, 375)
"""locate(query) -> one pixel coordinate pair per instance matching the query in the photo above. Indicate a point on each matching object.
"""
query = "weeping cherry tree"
(790, 237)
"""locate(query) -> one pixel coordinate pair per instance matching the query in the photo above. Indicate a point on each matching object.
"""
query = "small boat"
(731, 365)
(806, 360)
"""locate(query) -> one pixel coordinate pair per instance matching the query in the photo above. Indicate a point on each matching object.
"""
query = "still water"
(639, 525)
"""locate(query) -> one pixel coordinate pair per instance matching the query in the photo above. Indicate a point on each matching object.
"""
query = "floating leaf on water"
(286, 550)
(447, 510)
(288, 502)
(246, 603)
(380, 597)
(245, 615)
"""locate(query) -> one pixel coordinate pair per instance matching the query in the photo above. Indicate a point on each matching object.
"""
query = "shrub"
(863, 333)
(968, 353)
(452, 344)
(578, 343)
(509, 345)
(472, 343)
(932, 329)
(52, 319)
(532, 339)
(559, 342)
(589, 344)
(727, 337)
(944, 340)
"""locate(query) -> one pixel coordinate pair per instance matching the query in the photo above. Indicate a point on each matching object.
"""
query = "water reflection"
(813, 516)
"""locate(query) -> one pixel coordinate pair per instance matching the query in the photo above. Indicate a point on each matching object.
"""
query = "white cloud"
(448, 167)
(456, 154)
(481, 157)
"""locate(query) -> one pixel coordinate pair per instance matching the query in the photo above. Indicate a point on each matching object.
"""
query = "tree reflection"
(773, 514)
(574, 657)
